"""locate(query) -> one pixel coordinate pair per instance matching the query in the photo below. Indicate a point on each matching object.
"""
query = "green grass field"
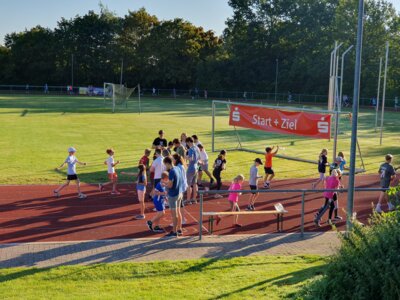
(37, 130)
(270, 277)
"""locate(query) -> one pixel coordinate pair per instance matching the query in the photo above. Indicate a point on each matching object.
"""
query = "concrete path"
(69, 253)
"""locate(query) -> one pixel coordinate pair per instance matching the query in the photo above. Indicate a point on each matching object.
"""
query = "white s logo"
(323, 127)
(236, 115)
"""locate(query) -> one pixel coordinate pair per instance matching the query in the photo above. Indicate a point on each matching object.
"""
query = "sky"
(18, 15)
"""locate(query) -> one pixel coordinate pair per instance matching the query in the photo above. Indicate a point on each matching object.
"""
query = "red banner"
(280, 121)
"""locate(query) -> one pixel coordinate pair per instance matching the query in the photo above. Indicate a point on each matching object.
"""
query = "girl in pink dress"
(233, 199)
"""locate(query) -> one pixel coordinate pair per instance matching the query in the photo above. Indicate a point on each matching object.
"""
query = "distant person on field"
(290, 98)
(387, 174)
(71, 162)
(205, 94)
(112, 174)
(27, 89)
(322, 164)
(233, 199)
(141, 184)
(154, 91)
(346, 101)
(159, 199)
(253, 182)
(219, 166)
(46, 89)
(269, 172)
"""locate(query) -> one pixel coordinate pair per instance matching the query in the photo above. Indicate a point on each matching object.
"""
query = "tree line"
(296, 35)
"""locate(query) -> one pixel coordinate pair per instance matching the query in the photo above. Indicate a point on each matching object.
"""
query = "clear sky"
(18, 15)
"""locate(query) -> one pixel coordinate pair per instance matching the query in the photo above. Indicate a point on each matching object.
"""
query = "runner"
(159, 204)
(269, 172)
(253, 182)
(71, 162)
(112, 175)
(219, 166)
(387, 174)
(203, 165)
(322, 163)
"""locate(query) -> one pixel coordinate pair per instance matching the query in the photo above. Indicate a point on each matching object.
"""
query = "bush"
(367, 265)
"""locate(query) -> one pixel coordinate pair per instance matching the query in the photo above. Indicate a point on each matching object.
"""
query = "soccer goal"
(119, 95)
(300, 132)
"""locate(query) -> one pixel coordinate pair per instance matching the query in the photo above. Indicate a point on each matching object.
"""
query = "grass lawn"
(267, 277)
(37, 130)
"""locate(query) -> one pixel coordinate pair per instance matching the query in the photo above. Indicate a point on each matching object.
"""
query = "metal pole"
(302, 213)
(201, 217)
(276, 77)
(379, 91)
(342, 75)
(140, 103)
(356, 99)
(72, 70)
(122, 69)
(384, 91)
(213, 127)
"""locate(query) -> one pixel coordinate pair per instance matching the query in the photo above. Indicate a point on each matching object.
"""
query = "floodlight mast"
(378, 93)
(356, 99)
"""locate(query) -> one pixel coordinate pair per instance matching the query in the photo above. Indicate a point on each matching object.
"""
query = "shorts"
(72, 177)
(175, 202)
(322, 176)
(269, 171)
(191, 178)
(253, 187)
(203, 167)
(112, 176)
(159, 205)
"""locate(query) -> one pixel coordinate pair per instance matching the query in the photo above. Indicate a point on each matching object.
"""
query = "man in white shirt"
(157, 167)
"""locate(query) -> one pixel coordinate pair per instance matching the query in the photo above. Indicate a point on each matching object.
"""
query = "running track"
(29, 213)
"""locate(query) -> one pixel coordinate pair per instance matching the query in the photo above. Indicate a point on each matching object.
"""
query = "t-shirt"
(204, 156)
(110, 165)
(184, 185)
(158, 167)
(253, 175)
(71, 162)
(159, 198)
(331, 182)
(176, 177)
(218, 164)
(160, 142)
(268, 159)
(386, 171)
(144, 161)
(322, 164)
(193, 157)
(181, 150)
(340, 161)
(234, 197)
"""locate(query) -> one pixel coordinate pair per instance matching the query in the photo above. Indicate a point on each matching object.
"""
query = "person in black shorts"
(219, 166)
(387, 174)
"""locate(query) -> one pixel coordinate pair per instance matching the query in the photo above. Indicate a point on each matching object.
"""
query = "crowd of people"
(178, 167)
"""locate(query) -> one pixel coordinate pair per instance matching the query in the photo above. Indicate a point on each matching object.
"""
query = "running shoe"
(150, 225)
(171, 234)
(179, 232)
(218, 196)
(115, 193)
(139, 217)
(378, 208)
(81, 196)
(211, 181)
(101, 188)
(248, 208)
(56, 194)
(253, 208)
(158, 229)
(338, 218)
(238, 225)
(316, 222)
(330, 222)
(391, 206)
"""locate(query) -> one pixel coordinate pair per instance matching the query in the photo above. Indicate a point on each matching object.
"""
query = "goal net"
(276, 125)
(119, 94)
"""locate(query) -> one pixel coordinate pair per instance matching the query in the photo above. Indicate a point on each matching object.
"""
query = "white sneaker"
(217, 196)
(81, 196)
(378, 208)
(391, 206)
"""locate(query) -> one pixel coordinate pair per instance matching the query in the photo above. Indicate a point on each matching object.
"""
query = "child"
(387, 174)
(233, 199)
(159, 203)
(145, 159)
(112, 175)
(219, 166)
(253, 182)
(203, 165)
(332, 182)
(71, 161)
(340, 161)
(141, 184)
(170, 148)
(322, 163)
(269, 172)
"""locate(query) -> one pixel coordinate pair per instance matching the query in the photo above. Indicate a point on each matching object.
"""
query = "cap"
(71, 149)
(257, 160)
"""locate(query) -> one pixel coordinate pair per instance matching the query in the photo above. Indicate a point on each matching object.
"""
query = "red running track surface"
(30, 213)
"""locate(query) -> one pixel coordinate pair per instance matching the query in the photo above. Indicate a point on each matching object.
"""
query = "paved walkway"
(68, 253)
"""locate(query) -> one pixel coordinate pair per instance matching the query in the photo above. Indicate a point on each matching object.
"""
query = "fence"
(298, 191)
(258, 97)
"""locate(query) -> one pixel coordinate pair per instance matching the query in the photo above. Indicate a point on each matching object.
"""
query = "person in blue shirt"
(193, 158)
(159, 203)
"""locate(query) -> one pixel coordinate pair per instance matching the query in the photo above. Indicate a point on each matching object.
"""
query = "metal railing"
(303, 193)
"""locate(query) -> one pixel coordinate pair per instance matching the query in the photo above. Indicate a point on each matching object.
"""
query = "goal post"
(119, 94)
(301, 132)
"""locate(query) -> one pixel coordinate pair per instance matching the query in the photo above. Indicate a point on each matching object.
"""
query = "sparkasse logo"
(236, 115)
(323, 126)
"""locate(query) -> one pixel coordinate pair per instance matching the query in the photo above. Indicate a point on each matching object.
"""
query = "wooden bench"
(279, 212)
